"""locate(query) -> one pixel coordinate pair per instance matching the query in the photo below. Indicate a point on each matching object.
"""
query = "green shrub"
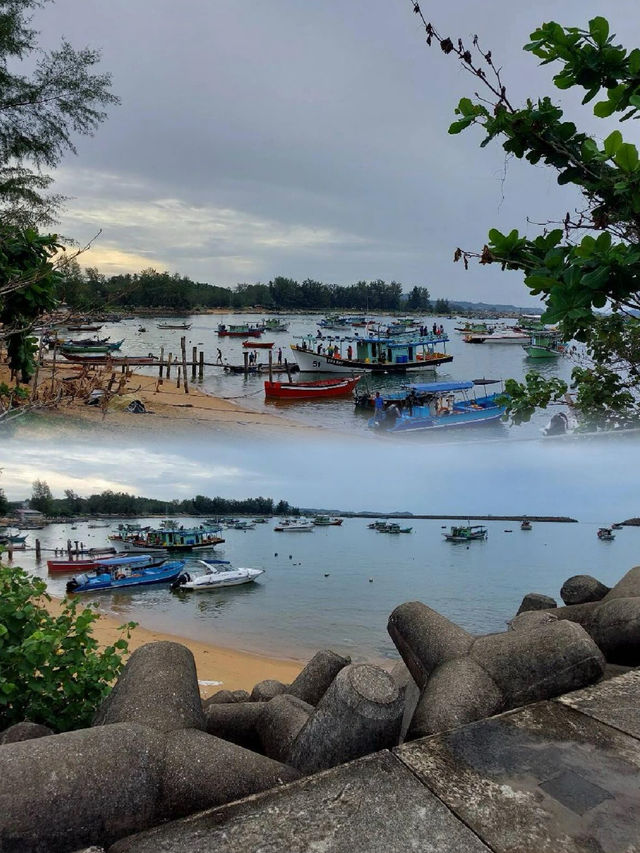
(51, 670)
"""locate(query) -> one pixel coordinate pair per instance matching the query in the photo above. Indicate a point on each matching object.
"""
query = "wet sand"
(234, 670)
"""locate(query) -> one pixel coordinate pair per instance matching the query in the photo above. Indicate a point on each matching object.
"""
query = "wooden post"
(161, 365)
(270, 366)
(69, 547)
(201, 366)
(183, 347)
(53, 367)
(194, 359)
(178, 379)
(245, 355)
(286, 367)
(169, 357)
(38, 550)
(75, 542)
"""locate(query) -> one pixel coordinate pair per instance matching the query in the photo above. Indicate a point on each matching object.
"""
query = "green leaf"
(599, 29)
(612, 143)
(604, 108)
(626, 157)
(634, 61)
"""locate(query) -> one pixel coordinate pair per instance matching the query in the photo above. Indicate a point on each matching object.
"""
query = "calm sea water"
(471, 361)
(335, 587)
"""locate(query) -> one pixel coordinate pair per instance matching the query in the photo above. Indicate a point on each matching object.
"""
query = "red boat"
(311, 390)
(80, 564)
(258, 344)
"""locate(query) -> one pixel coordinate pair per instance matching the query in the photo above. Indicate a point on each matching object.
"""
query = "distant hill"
(493, 308)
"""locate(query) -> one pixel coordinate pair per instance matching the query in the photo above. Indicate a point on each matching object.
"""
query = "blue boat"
(119, 572)
(434, 405)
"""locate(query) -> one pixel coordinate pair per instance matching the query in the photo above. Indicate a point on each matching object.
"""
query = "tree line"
(88, 289)
(124, 504)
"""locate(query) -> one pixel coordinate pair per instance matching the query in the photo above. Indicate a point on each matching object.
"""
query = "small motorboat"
(126, 572)
(215, 576)
(184, 326)
(311, 390)
(605, 534)
(525, 524)
(301, 526)
(617, 526)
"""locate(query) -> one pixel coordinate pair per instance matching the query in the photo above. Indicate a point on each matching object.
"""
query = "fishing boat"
(544, 345)
(498, 336)
(477, 328)
(353, 354)
(258, 344)
(72, 347)
(334, 322)
(242, 525)
(439, 408)
(184, 326)
(87, 327)
(606, 534)
(617, 526)
(108, 358)
(179, 540)
(290, 526)
(239, 331)
(17, 541)
(317, 389)
(132, 571)
(525, 524)
(466, 533)
(327, 521)
(394, 528)
(215, 576)
(274, 325)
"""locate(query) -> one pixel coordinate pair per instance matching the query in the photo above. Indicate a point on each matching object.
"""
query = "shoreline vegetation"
(218, 667)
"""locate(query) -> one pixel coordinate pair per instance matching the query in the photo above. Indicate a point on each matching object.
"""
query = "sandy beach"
(218, 668)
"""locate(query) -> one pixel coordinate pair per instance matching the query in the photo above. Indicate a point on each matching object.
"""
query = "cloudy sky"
(306, 139)
(592, 481)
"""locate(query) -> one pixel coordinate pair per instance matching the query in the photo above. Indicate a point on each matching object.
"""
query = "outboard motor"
(76, 581)
(181, 580)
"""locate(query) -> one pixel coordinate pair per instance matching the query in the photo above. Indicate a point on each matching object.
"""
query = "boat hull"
(322, 388)
(143, 577)
(459, 417)
(311, 362)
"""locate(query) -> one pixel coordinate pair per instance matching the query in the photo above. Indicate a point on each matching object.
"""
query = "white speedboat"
(215, 576)
(298, 526)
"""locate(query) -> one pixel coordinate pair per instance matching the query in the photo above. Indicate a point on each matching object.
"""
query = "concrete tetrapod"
(360, 713)
(314, 680)
(158, 687)
(468, 679)
(580, 589)
(280, 723)
(613, 621)
(235, 722)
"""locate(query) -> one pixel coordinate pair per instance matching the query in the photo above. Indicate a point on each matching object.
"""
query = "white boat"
(298, 526)
(499, 336)
(215, 576)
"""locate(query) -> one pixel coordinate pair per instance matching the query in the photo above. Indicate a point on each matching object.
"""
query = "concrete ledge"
(615, 702)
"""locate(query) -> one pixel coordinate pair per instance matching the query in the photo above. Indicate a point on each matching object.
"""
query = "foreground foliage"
(51, 670)
(589, 258)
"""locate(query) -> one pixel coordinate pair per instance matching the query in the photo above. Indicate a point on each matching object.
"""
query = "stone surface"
(201, 771)
(225, 697)
(235, 722)
(373, 805)
(409, 691)
(531, 665)
(531, 619)
(615, 626)
(535, 601)
(71, 790)
(267, 689)
(425, 639)
(579, 589)
(279, 725)
(314, 680)
(360, 713)
(158, 687)
(543, 779)
(24, 731)
(615, 702)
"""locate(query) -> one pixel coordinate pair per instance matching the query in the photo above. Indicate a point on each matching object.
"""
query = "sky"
(593, 481)
(307, 140)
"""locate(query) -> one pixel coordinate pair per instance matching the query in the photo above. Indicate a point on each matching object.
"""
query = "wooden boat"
(82, 348)
(215, 577)
(466, 533)
(525, 524)
(544, 345)
(184, 326)
(258, 344)
(439, 408)
(320, 388)
(84, 328)
(605, 534)
(375, 354)
(107, 358)
(274, 325)
(240, 331)
(327, 521)
(392, 527)
(180, 540)
(131, 571)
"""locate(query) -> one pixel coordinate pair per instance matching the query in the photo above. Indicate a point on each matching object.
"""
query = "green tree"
(4, 503)
(51, 669)
(418, 299)
(41, 497)
(442, 306)
(46, 99)
(589, 260)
